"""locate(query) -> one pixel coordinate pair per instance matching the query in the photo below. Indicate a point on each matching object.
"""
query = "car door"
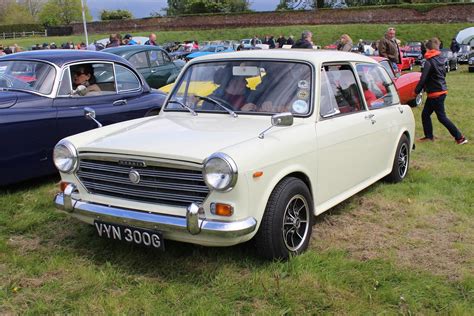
(141, 63)
(162, 68)
(116, 102)
(345, 146)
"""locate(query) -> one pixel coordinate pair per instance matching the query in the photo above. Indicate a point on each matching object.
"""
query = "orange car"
(405, 83)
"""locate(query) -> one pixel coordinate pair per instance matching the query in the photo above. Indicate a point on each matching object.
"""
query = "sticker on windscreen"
(303, 94)
(300, 106)
(303, 84)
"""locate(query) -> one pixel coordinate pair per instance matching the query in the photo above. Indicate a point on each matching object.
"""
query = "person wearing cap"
(128, 40)
(305, 41)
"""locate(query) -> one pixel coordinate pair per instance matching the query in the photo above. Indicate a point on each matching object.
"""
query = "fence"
(5, 35)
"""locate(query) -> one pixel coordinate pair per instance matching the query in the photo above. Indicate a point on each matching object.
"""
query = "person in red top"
(433, 81)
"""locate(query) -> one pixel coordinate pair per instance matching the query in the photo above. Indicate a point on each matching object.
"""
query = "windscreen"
(245, 87)
(27, 75)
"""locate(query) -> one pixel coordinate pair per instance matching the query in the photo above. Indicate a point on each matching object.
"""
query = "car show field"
(400, 248)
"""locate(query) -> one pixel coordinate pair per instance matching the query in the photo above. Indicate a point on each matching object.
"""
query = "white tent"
(466, 36)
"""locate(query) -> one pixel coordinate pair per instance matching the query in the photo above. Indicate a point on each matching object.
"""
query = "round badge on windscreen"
(300, 106)
(303, 84)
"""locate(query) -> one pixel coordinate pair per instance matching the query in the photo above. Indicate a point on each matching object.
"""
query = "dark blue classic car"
(43, 96)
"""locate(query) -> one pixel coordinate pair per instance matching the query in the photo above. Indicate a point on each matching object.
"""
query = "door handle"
(120, 102)
(400, 108)
(370, 117)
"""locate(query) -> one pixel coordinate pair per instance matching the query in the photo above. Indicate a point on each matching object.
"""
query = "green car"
(152, 62)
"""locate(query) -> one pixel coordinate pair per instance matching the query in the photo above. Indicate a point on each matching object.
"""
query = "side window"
(379, 90)
(126, 79)
(139, 60)
(65, 87)
(92, 79)
(339, 91)
(156, 58)
(166, 58)
(388, 67)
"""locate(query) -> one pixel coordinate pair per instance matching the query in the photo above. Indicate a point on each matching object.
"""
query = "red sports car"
(405, 83)
(407, 62)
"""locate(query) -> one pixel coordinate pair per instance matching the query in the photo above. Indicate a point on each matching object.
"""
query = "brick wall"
(441, 14)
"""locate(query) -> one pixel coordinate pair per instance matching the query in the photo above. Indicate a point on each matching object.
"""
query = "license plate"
(129, 234)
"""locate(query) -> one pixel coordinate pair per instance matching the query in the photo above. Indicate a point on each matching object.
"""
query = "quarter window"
(156, 58)
(339, 91)
(379, 90)
(126, 79)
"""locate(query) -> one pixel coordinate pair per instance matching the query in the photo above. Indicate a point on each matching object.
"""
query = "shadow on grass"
(29, 184)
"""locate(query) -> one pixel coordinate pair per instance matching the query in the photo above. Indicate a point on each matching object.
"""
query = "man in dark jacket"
(305, 41)
(433, 81)
(454, 46)
(388, 47)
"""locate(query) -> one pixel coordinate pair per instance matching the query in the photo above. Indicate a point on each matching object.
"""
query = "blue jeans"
(437, 105)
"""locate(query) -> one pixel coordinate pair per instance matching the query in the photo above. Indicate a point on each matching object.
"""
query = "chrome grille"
(159, 183)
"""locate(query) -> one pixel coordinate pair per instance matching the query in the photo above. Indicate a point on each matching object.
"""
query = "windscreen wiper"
(232, 113)
(184, 106)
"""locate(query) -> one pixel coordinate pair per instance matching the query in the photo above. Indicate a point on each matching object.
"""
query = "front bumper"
(190, 225)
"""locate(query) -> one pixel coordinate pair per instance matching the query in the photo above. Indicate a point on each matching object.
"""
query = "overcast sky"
(143, 8)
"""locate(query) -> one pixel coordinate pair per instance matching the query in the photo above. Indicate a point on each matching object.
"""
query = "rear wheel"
(401, 161)
(287, 222)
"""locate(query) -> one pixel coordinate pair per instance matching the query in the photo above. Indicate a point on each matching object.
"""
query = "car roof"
(127, 50)
(315, 56)
(61, 57)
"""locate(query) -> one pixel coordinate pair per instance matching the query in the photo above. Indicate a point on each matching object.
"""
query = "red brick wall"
(442, 14)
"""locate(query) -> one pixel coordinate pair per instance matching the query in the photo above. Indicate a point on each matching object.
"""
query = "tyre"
(401, 161)
(287, 222)
(447, 68)
(456, 66)
(416, 101)
(411, 67)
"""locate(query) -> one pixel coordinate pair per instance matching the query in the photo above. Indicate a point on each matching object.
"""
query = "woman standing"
(345, 43)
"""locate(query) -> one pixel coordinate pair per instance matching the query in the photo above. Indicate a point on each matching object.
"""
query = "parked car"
(405, 83)
(152, 62)
(413, 49)
(209, 50)
(450, 60)
(39, 104)
(247, 42)
(471, 63)
(406, 62)
(464, 53)
(221, 167)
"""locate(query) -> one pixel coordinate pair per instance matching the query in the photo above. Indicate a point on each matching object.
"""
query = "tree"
(62, 12)
(300, 4)
(177, 7)
(14, 12)
(115, 15)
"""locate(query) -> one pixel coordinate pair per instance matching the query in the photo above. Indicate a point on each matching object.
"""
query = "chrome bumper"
(191, 224)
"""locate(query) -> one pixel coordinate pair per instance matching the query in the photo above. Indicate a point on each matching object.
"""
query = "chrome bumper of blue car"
(193, 223)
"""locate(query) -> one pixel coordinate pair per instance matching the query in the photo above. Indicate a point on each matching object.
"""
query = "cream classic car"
(251, 144)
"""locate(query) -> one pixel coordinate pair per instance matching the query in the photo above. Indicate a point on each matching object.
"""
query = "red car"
(407, 62)
(405, 83)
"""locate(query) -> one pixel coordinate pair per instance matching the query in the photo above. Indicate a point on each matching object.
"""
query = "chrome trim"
(70, 189)
(73, 151)
(89, 212)
(192, 218)
(232, 165)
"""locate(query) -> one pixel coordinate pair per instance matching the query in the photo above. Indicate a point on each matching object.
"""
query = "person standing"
(151, 40)
(433, 81)
(281, 41)
(305, 41)
(388, 47)
(290, 40)
(345, 43)
(454, 46)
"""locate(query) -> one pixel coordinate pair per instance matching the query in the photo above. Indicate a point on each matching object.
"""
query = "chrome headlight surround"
(65, 156)
(220, 172)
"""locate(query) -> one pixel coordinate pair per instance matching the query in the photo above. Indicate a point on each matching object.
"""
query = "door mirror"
(89, 113)
(282, 119)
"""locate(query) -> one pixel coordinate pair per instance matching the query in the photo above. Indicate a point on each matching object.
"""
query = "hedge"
(21, 28)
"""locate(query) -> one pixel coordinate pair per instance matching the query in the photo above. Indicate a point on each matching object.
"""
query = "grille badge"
(134, 176)
(132, 163)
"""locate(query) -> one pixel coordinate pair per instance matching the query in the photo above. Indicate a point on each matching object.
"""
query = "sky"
(143, 8)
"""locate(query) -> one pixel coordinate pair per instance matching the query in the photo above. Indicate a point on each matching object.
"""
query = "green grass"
(391, 249)
(323, 34)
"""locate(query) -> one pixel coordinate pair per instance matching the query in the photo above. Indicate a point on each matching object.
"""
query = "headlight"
(220, 172)
(65, 156)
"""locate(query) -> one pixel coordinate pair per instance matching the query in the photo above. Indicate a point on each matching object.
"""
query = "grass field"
(323, 34)
(392, 249)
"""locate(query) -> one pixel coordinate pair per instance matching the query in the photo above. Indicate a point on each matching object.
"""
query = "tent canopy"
(466, 36)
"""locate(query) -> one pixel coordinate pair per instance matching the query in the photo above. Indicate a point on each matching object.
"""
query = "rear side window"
(126, 79)
(156, 58)
(139, 60)
(339, 91)
(379, 90)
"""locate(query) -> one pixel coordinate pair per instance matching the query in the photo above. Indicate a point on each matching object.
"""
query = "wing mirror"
(281, 119)
(80, 90)
(89, 113)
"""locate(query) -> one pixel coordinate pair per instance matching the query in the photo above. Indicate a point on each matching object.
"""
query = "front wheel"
(416, 101)
(287, 222)
(401, 161)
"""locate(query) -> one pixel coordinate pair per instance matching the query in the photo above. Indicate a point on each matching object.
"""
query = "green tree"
(115, 15)
(177, 7)
(15, 13)
(62, 12)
